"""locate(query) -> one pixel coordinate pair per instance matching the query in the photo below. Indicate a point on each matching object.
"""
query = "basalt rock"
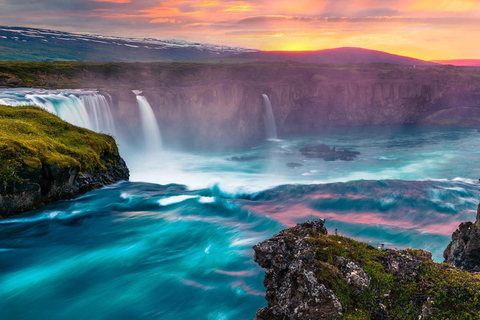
(464, 250)
(312, 275)
(322, 151)
(246, 158)
(294, 165)
(51, 183)
(44, 159)
(293, 291)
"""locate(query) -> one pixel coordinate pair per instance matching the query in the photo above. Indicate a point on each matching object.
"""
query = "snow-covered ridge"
(24, 34)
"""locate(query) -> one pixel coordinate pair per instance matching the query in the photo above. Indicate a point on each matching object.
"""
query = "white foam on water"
(175, 199)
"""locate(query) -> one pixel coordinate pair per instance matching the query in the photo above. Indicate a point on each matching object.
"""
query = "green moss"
(447, 292)
(30, 137)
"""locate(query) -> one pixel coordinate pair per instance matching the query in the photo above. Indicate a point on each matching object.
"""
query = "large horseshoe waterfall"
(83, 108)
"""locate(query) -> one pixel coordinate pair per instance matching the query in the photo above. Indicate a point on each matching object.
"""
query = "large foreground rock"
(312, 275)
(44, 159)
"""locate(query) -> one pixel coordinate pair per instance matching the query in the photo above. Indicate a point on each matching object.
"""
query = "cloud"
(422, 28)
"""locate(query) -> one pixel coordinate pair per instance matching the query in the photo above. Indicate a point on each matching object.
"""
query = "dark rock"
(322, 151)
(315, 148)
(51, 183)
(293, 291)
(247, 158)
(294, 165)
(311, 275)
(464, 249)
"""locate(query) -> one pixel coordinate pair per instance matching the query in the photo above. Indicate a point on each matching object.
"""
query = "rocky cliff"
(464, 250)
(209, 106)
(43, 159)
(312, 275)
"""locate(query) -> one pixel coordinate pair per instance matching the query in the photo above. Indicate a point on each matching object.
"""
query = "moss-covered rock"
(43, 159)
(313, 275)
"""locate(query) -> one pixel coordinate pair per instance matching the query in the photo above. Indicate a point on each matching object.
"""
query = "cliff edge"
(312, 275)
(44, 159)
(464, 250)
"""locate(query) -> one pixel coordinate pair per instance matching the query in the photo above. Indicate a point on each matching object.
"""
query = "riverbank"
(44, 159)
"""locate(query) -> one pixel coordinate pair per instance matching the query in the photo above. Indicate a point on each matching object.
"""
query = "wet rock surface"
(322, 151)
(294, 165)
(246, 158)
(51, 183)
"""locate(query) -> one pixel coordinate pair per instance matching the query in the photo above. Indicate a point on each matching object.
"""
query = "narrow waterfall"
(86, 109)
(270, 125)
(151, 131)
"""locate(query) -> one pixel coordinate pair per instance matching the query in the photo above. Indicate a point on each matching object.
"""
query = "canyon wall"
(216, 106)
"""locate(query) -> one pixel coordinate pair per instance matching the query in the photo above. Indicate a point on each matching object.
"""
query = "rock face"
(464, 250)
(217, 106)
(44, 159)
(312, 275)
(293, 291)
(51, 183)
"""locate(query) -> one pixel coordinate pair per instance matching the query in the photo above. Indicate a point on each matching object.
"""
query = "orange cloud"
(239, 8)
(163, 20)
(159, 12)
(445, 5)
(426, 29)
(208, 4)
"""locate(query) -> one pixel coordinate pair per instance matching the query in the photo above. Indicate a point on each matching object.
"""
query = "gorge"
(183, 227)
(221, 105)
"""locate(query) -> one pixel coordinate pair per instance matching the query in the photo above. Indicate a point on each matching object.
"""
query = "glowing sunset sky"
(426, 29)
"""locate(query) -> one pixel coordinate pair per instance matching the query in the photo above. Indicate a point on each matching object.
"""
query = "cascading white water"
(98, 107)
(151, 131)
(270, 125)
(86, 109)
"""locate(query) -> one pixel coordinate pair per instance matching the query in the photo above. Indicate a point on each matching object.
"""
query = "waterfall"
(98, 107)
(269, 119)
(151, 131)
(86, 109)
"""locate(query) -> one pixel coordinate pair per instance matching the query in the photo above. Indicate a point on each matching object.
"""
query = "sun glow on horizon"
(424, 29)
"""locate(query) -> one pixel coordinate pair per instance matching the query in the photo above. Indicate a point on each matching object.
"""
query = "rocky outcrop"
(51, 183)
(464, 250)
(293, 291)
(312, 275)
(322, 151)
(44, 159)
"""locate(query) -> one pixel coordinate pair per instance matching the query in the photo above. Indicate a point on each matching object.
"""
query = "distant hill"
(345, 55)
(460, 62)
(31, 44)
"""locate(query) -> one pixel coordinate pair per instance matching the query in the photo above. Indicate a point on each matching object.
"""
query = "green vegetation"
(74, 74)
(422, 290)
(30, 137)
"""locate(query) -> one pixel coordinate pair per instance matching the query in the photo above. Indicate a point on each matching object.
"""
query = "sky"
(425, 29)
